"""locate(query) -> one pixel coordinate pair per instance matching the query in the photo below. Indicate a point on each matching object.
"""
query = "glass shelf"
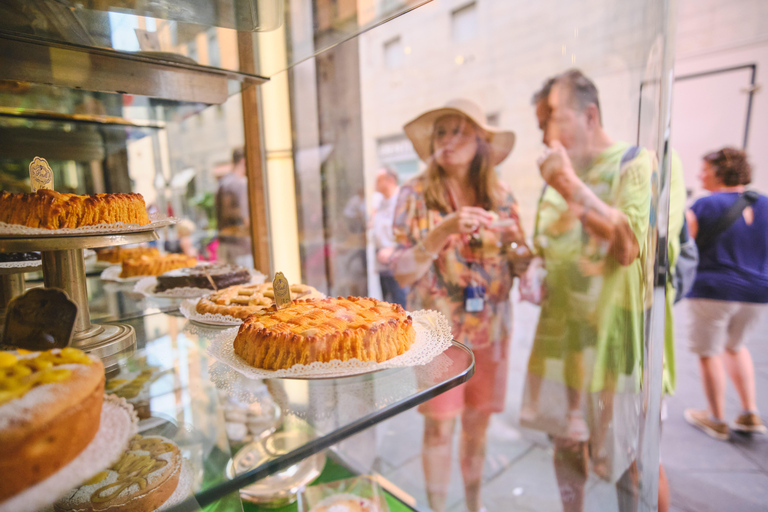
(189, 396)
(138, 64)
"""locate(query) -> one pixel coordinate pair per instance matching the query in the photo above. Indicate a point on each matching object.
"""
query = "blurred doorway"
(710, 110)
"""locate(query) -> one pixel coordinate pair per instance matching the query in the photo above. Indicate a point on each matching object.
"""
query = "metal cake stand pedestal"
(63, 267)
(12, 282)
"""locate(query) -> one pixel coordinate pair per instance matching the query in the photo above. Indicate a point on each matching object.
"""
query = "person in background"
(728, 300)
(184, 244)
(591, 235)
(232, 215)
(460, 246)
(387, 184)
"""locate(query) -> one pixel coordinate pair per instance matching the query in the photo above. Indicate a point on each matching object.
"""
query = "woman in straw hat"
(460, 246)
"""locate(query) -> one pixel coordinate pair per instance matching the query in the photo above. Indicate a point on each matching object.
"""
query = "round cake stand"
(64, 268)
(12, 283)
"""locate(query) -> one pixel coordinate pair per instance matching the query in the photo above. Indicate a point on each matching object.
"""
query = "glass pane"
(197, 32)
(562, 357)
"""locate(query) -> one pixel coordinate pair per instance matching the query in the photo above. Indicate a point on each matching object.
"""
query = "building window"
(192, 48)
(464, 23)
(214, 55)
(393, 53)
(397, 152)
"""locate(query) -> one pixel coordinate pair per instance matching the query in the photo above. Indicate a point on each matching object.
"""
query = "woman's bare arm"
(693, 223)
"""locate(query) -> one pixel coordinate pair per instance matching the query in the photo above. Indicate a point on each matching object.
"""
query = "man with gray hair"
(590, 235)
(387, 184)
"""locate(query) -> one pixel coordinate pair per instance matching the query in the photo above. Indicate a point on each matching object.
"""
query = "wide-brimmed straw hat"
(420, 129)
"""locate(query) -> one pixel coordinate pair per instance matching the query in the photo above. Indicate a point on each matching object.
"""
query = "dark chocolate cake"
(8, 257)
(222, 275)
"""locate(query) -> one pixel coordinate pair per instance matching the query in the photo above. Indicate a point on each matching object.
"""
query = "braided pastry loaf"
(49, 209)
(307, 331)
(154, 266)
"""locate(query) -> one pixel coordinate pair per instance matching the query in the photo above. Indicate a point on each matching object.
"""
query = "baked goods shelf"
(63, 266)
(200, 403)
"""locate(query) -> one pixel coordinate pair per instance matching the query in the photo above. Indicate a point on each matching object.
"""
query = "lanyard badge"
(474, 298)
(474, 294)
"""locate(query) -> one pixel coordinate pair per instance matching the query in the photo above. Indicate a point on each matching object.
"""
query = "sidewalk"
(704, 474)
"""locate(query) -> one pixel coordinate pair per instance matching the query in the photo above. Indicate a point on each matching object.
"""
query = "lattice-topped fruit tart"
(243, 301)
(323, 330)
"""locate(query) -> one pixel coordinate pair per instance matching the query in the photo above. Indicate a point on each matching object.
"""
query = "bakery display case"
(290, 109)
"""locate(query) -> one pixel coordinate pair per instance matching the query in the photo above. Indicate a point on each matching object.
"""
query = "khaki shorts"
(717, 325)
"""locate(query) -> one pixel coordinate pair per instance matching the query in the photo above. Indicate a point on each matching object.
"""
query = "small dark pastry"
(40, 319)
(9, 257)
(209, 277)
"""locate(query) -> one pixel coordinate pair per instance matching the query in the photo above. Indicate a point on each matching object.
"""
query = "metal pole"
(11, 285)
(648, 460)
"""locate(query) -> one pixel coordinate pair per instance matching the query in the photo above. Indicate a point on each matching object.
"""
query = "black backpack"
(687, 262)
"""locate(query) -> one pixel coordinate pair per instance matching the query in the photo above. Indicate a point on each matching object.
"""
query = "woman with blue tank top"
(729, 297)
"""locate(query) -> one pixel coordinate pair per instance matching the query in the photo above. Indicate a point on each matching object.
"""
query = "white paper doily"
(118, 425)
(433, 337)
(183, 488)
(146, 286)
(188, 308)
(113, 274)
(156, 221)
(21, 264)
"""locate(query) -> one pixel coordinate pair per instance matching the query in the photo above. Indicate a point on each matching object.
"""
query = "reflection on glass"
(202, 31)
(573, 386)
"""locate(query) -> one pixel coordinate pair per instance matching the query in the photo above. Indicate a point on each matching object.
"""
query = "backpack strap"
(704, 240)
(629, 155)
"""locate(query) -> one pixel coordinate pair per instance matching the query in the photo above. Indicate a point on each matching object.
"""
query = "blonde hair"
(185, 227)
(482, 176)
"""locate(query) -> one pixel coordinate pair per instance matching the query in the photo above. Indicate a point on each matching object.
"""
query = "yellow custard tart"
(50, 409)
(144, 477)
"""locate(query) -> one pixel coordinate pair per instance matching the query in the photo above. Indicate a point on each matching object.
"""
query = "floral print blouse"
(458, 266)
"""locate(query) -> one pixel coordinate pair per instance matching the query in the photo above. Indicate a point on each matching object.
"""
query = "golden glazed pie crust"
(49, 209)
(324, 330)
(154, 266)
(119, 254)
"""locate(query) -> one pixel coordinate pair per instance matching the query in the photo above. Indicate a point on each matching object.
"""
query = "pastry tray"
(433, 337)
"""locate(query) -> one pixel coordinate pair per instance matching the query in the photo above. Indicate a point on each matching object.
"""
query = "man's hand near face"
(597, 218)
(556, 168)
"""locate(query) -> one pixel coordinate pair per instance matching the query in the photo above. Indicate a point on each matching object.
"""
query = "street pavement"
(704, 474)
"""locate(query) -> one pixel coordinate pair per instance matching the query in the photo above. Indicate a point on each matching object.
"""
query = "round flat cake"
(49, 209)
(243, 301)
(144, 477)
(220, 275)
(324, 330)
(50, 409)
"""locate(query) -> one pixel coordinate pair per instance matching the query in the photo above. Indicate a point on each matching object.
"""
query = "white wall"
(716, 34)
(518, 45)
